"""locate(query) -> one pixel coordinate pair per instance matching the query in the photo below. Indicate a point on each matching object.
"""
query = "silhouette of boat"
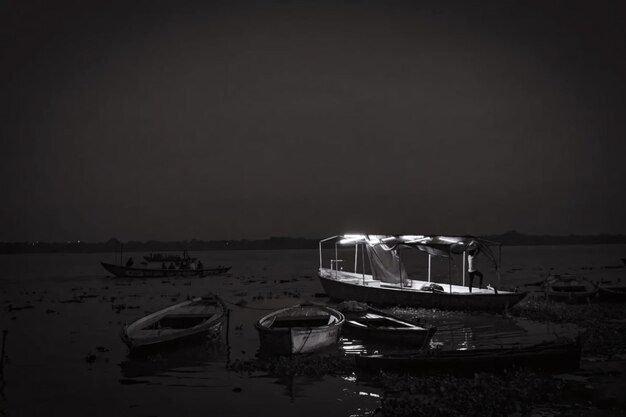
(192, 317)
(387, 282)
(612, 293)
(132, 272)
(159, 257)
(545, 357)
(302, 328)
(569, 288)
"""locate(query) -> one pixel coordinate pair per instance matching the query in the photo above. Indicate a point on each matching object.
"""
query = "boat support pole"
(464, 267)
(499, 262)
(336, 262)
(363, 262)
(450, 270)
(429, 264)
(356, 255)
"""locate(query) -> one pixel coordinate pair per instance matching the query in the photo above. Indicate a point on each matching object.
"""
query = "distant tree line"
(511, 238)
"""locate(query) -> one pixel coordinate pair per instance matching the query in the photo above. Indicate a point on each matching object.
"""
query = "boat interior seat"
(301, 321)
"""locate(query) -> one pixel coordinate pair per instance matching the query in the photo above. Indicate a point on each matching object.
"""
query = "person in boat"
(129, 262)
(471, 266)
(199, 266)
(163, 266)
(172, 266)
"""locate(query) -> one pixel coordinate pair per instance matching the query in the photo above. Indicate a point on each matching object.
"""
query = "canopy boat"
(132, 272)
(545, 357)
(192, 317)
(569, 288)
(387, 281)
(159, 257)
(366, 322)
(303, 328)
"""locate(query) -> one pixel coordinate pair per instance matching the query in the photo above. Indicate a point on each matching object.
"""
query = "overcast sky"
(224, 120)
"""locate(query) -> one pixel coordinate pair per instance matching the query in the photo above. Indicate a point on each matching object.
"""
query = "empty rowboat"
(303, 328)
(369, 323)
(190, 318)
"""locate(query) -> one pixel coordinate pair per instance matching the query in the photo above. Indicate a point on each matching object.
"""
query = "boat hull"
(298, 339)
(341, 290)
(141, 334)
(551, 357)
(612, 294)
(130, 272)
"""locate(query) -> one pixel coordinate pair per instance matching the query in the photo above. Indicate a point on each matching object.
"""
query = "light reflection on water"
(467, 331)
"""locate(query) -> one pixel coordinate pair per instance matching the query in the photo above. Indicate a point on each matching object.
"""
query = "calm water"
(60, 308)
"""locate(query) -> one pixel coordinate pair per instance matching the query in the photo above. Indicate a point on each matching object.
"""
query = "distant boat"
(545, 357)
(569, 288)
(387, 282)
(612, 293)
(131, 272)
(302, 328)
(189, 318)
(159, 257)
(369, 323)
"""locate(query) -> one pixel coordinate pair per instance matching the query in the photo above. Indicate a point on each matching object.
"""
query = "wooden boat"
(159, 257)
(365, 322)
(192, 317)
(545, 357)
(387, 282)
(303, 328)
(569, 289)
(132, 272)
(612, 293)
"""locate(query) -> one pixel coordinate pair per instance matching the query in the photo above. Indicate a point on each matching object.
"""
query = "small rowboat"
(545, 357)
(569, 289)
(613, 293)
(192, 317)
(366, 322)
(303, 328)
(130, 272)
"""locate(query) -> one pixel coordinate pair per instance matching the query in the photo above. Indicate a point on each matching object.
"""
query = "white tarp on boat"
(386, 264)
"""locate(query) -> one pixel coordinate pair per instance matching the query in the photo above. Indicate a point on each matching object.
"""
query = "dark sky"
(223, 120)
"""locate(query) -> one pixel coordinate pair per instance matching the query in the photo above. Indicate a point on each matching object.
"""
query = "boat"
(612, 293)
(122, 271)
(193, 317)
(544, 357)
(569, 288)
(303, 328)
(368, 323)
(159, 257)
(385, 281)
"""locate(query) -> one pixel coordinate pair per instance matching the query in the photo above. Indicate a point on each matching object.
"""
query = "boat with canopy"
(383, 278)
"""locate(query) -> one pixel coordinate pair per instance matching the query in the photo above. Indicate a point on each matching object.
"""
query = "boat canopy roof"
(435, 245)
